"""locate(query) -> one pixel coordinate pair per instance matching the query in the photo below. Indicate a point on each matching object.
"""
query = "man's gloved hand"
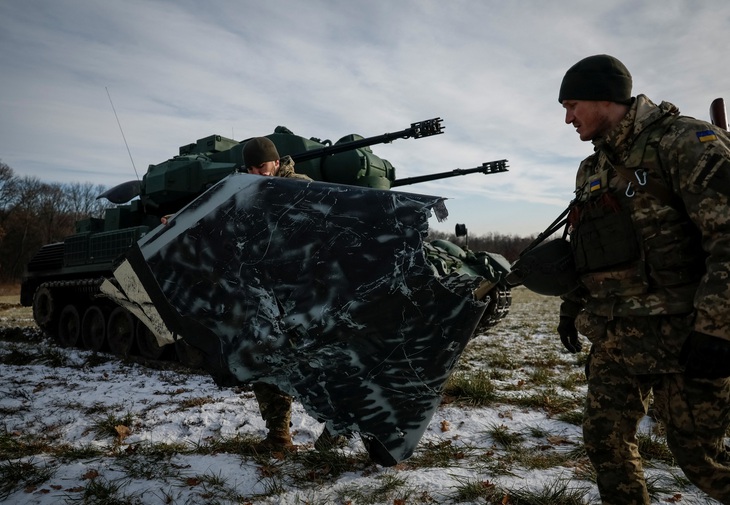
(705, 356)
(569, 334)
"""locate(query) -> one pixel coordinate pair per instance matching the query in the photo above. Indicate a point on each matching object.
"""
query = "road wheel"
(147, 343)
(188, 355)
(93, 328)
(45, 312)
(120, 331)
(69, 326)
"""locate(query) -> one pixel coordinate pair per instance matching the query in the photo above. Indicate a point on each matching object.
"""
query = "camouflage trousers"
(695, 413)
(275, 408)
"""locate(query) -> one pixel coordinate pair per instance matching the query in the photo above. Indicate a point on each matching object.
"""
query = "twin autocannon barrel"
(417, 130)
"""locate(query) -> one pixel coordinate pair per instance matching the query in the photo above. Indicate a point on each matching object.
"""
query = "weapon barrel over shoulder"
(417, 130)
(718, 115)
(490, 167)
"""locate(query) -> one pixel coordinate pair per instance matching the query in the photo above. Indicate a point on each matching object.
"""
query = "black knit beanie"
(259, 150)
(599, 77)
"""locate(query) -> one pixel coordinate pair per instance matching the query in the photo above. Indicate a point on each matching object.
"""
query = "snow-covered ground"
(173, 432)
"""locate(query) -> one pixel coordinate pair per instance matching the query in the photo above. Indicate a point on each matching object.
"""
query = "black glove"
(568, 334)
(705, 356)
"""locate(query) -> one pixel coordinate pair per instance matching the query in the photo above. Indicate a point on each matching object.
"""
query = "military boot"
(276, 440)
(275, 407)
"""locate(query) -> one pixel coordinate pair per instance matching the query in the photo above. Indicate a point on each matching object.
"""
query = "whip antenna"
(120, 129)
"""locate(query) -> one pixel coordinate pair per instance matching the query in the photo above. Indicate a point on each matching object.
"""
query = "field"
(83, 427)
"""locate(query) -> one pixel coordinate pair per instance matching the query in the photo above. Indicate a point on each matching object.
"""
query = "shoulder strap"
(650, 138)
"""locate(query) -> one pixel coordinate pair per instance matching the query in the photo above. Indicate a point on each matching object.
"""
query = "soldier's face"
(591, 119)
(267, 168)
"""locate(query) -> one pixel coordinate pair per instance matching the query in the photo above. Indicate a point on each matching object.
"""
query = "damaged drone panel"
(321, 289)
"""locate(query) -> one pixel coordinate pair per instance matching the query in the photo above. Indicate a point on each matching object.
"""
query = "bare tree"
(34, 213)
(54, 213)
(21, 226)
(83, 200)
(7, 186)
(99, 205)
(7, 194)
(38, 214)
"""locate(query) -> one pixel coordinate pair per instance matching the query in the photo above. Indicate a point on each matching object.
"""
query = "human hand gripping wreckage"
(323, 290)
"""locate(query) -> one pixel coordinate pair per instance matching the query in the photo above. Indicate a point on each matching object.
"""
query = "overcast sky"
(177, 71)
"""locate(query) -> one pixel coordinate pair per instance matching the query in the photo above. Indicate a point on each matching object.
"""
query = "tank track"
(75, 314)
(500, 301)
(88, 287)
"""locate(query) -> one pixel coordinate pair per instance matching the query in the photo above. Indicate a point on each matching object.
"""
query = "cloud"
(178, 71)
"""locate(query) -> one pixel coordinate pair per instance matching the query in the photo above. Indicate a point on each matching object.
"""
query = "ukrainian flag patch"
(595, 185)
(706, 136)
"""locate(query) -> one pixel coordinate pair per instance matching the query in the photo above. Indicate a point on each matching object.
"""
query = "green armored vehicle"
(62, 281)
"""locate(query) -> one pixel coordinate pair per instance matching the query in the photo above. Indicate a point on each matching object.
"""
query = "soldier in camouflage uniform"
(261, 157)
(650, 232)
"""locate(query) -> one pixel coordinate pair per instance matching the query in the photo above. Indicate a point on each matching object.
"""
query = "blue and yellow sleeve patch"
(706, 136)
(595, 185)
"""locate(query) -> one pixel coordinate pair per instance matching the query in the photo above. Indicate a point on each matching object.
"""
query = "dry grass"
(10, 291)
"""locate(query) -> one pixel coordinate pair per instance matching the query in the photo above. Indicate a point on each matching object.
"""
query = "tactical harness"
(609, 247)
(610, 255)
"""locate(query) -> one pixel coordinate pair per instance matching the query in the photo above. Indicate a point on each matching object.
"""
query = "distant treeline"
(34, 213)
(508, 246)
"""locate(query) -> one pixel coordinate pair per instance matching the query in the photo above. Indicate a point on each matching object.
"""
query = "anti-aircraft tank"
(62, 281)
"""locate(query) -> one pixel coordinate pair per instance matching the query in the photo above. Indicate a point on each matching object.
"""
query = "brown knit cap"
(259, 150)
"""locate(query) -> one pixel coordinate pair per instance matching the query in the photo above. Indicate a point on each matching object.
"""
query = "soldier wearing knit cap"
(596, 94)
(650, 234)
(261, 157)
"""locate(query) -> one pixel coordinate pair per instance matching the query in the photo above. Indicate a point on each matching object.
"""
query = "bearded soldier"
(261, 157)
(650, 234)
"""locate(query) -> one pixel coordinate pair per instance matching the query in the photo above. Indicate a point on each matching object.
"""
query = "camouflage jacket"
(286, 169)
(682, 256)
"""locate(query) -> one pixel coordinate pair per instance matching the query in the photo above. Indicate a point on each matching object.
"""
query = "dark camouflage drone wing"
(321, 289)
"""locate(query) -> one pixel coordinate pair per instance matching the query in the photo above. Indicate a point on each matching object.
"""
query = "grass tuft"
(113, 426)
(99, 491)
(471, 389)
(504, 437)
(441, 454)
(15, 475)
(555, 492)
